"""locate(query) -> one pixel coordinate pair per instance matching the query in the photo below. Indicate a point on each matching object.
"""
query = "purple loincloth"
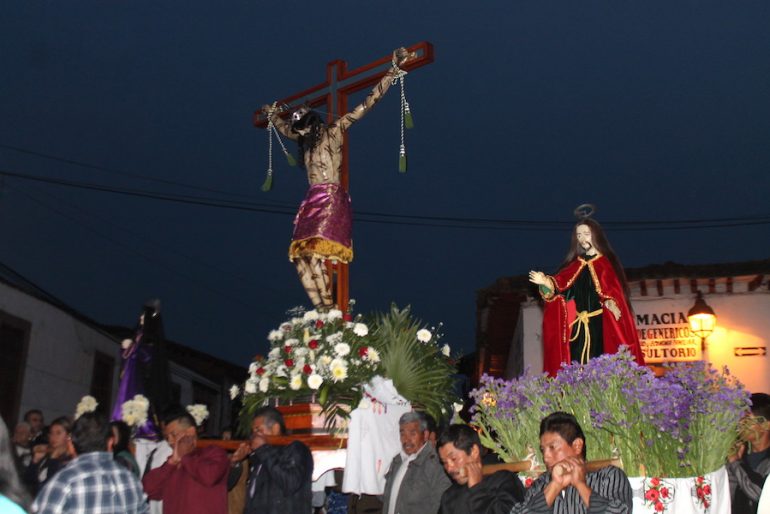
(325, 214)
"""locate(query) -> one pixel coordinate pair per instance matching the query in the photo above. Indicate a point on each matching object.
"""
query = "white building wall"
(60, 355)
(743, 324)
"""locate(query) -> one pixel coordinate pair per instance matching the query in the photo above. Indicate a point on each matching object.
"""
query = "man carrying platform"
(566, 487)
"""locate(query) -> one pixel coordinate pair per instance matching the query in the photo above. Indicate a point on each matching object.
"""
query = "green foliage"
(420, 371)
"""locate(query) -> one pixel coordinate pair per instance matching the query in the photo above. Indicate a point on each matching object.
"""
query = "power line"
(136, 251)
(404, 219)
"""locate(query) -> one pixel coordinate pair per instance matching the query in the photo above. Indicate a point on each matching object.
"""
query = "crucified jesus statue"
(322, 227)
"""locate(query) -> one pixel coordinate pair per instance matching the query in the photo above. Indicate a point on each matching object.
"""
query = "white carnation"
(275, 335)
(424, 335)
(339, 370)
(372, 355)
(296, 382)
(274, 353)
(446, 350)
(264, 385)
(314, 381)
(334, 338)
(310, 315)
(334, 314)
(251, 386)
(234, 392)
(199, 412)
(87, 404)
(291, 342)
(342, 349)
(360, 329)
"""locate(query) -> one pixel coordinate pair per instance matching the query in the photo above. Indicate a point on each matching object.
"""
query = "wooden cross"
(333, 94)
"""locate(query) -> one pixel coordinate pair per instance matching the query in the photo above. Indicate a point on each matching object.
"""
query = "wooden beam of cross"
(333, 95)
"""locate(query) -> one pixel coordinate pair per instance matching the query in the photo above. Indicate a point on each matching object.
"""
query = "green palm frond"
(420, 372)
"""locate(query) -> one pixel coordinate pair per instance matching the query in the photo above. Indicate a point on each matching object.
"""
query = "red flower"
(363, 351)
(707, 489)
(319, 323)
(307, 369)
(260, 371)
(289, 363)
(664, 492)
(347, 316)
(659, 507)
(655, 481)
(287, 348)
(652, 495)
(528, 482)
(699, 480)
(706, 504)
(313, 344)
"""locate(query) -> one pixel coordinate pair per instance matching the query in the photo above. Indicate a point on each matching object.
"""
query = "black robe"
(279, 480)
(495, 494)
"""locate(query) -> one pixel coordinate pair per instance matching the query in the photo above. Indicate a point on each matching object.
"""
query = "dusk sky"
(657, 112)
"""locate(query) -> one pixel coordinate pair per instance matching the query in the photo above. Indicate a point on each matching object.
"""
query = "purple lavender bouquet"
(680, 425)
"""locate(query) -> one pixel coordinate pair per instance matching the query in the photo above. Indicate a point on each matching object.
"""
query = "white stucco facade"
(740, 340)
(60, 353)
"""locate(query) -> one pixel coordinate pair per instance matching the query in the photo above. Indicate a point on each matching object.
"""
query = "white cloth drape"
(373, 438)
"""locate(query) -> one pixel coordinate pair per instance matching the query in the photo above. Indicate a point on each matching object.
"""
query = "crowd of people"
(87, 467)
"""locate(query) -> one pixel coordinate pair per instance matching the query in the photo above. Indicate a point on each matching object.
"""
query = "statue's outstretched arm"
(400, 56)
(274, 114)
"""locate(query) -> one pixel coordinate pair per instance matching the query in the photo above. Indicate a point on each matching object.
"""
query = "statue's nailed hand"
(613, 308)
(401, 55)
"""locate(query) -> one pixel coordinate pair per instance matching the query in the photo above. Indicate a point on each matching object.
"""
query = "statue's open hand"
(538, 277)
(613, 308)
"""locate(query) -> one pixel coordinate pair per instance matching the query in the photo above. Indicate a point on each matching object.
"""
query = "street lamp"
(702, 320)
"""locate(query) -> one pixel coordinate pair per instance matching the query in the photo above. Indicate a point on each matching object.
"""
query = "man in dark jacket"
(750, 467)
(460, 450)
(280, 476)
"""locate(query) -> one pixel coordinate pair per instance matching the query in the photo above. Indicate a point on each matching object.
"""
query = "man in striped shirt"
(93, 481)
(566, 487)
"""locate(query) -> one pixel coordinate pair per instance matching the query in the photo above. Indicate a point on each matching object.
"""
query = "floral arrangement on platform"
(682, 424)
(86, 404)
(134, 411)
(199, 412)
(327, 357)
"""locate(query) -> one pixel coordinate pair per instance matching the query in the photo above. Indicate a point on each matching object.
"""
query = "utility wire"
(407, 220)
(134, 250)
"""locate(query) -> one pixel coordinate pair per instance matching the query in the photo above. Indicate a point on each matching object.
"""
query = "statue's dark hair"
(310, 140)
(602, 245)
